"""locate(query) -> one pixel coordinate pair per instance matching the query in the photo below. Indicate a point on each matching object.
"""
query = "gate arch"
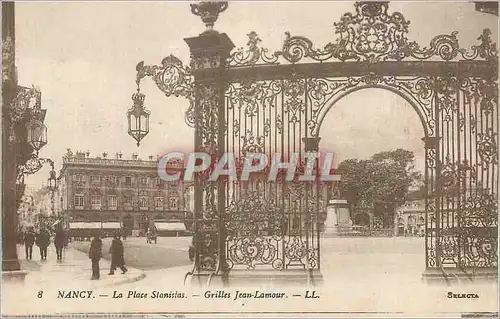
(407, 97)
(255, 100)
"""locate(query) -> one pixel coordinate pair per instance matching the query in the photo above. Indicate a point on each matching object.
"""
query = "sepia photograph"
(250, 159)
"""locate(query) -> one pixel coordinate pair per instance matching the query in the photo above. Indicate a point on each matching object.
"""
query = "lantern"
(138, 118)
(37, 133)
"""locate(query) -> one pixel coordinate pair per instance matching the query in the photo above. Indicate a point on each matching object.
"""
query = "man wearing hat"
(95, 254)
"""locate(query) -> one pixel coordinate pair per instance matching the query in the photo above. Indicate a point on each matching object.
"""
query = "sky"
(83, 55)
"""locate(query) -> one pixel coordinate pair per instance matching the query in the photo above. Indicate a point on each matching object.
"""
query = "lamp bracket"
(173, 78)
(32, 166)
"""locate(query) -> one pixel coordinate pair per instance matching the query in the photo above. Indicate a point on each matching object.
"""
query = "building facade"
(411, 218)
(127, 191)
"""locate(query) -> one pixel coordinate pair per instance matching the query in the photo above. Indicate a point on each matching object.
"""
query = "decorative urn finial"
(208, 11)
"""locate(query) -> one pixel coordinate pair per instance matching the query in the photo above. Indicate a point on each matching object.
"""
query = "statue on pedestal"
(337, 212)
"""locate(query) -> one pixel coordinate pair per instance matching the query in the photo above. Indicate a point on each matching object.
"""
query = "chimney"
(104, 155)
(88, 154)
(120, 155)
(150, 157)
(135, 156)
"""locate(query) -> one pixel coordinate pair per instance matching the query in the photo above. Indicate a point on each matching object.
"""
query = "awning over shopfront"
(170, 226)
(84, 225)
(111, 225)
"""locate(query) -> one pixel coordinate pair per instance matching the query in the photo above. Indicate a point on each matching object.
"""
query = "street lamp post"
(52, 186)
(23, 135)
(203, 85)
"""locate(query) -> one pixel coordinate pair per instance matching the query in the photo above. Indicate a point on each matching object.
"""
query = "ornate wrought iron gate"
(252, 100)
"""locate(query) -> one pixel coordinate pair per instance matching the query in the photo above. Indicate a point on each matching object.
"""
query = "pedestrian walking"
(117, 260)
(95, 254)
(29, 240)
(59, 241)
(43, 241)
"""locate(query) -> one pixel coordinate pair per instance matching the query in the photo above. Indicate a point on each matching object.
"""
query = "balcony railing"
(106, 161)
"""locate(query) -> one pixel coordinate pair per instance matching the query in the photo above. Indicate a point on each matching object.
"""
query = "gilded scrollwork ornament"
(371, 35)
(255, 229)
(486, 50)
(252, 143)
(260, 112)
(487, 147)
(173, 79)
(252, 55)
(453, 174)
(32, 166)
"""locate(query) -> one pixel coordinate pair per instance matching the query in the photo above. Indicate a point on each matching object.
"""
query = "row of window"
(97, 179)
(96, 202)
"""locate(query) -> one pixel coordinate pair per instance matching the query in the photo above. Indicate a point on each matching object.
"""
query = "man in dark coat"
(117, 259)
(43, 241)
(95, 254)
(59, 241)
(29, 240)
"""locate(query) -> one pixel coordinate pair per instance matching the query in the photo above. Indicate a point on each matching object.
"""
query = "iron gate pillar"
(315, 277)
(209, 52)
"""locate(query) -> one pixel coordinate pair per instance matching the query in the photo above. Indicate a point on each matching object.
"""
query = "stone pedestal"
(14, 276)
(244, 278)
(338, 218)
(455, 276)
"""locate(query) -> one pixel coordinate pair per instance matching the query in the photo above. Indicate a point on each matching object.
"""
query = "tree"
(354, 178)
(381, 182)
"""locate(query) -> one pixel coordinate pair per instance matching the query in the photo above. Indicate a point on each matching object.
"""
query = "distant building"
(410, 217)
(125, 191)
